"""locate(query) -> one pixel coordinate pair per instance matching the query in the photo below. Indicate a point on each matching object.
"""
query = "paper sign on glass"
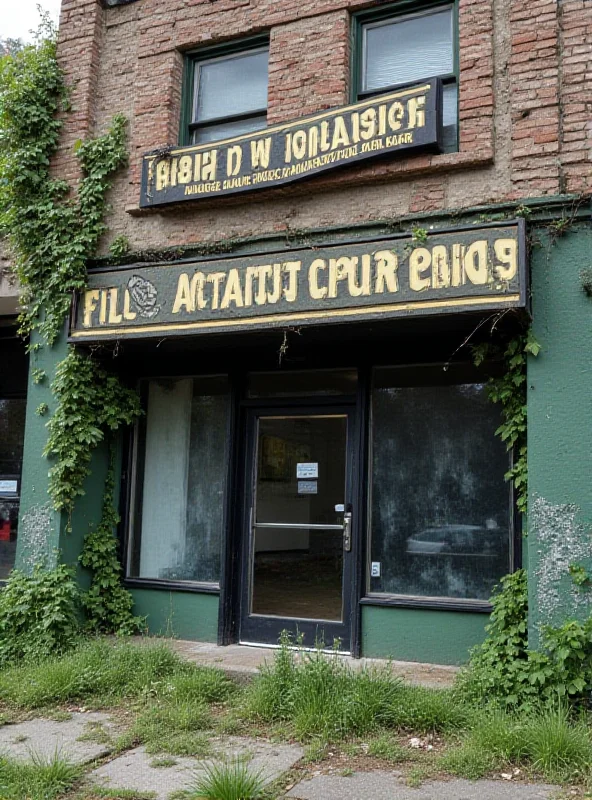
(307, 470)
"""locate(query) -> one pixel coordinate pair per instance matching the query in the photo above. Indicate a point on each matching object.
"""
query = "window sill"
(172, 586)
(433, 603)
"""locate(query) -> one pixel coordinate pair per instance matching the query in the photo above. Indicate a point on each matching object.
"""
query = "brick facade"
(524, 107)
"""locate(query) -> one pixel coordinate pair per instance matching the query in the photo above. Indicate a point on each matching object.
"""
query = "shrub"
(504, 671)
(38, 614)
(231, 781)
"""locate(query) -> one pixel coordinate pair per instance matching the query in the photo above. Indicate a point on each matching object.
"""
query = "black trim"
(177, 586)
(427, 603)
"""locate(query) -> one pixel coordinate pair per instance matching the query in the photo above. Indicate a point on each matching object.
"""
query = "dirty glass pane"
(12, 436)
(226, 87)
(407, 49)
(184, 481)
(440, 523)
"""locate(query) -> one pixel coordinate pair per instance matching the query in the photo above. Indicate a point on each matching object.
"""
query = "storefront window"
(183, 482)
(12, 435)
(440, 507)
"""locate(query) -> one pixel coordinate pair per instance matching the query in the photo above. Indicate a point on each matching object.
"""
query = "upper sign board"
(402, 121)
(470, 269)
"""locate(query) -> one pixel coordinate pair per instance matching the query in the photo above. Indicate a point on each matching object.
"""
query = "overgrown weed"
(42, 779)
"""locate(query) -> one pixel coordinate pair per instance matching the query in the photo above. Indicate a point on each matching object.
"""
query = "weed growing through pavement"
(42, 779)
(232, 780)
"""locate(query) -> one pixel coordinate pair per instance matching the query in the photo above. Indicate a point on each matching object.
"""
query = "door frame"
(267, 627)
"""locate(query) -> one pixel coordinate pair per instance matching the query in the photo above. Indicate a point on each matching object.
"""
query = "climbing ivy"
(509, 390)
(91, 403)
(107, 604)
(51, 233)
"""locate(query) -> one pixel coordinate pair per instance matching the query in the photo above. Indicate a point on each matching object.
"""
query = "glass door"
(297, 558)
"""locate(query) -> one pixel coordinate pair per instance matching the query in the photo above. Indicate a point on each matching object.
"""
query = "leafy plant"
(43, 779)
(108, 606)
(579, 575)
(509, 390)
(38, 614)
(91, 403)
(119, 247)
(503, 670)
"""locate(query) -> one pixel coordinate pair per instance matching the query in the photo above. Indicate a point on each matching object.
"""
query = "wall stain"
(36, 531)
(561, 540)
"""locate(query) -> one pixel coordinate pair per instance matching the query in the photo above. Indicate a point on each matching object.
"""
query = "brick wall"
(524, 107)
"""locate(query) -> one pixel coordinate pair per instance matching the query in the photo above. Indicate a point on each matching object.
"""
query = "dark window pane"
(233, 85)
(184, 481)
(12, 437)
(300, 384)
(407, 49)
(227, 130)
(440, 504)
(450, 116)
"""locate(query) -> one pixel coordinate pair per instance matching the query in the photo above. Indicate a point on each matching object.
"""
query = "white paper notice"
(309, 470)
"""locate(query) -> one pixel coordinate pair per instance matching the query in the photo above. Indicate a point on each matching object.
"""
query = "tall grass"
(41, 779)
(101, 673)
(228, 781)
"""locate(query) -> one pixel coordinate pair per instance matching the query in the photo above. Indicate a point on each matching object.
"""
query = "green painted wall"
(408, 634)
(560, 429)
(182, 615)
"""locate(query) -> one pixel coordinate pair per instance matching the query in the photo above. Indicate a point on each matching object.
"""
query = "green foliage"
(504, 671)
(509, 390)
(321, 696)
(100, 673)
(42, 779)
(548, 741)
(579, 575)
(91, 403)
(38, 614)
(107, 604)
(419, 236)
(38, 375)
(51, 234)
(119, 247)
(42, 409)
(228, 781)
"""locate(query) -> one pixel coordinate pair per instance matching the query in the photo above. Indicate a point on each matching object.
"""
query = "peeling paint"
(561, 539)
(36, 531)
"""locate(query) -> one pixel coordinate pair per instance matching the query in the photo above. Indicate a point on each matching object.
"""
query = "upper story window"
(398, 49)
(227, 94)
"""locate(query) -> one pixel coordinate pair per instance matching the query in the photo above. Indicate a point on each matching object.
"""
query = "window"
(182, 465)
(403, 49)
(439, 504)
(228, 94)
(12, 437)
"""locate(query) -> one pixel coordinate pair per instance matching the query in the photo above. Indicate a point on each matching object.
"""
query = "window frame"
(131, 515)
(208, 55)
(466, 374)
(404, 9)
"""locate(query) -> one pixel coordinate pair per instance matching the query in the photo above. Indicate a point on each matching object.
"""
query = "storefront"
(316, 447)
(13, 402)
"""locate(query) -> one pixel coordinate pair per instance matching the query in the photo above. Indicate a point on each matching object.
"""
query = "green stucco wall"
(182, 615)
(408, 634)
(560, 428)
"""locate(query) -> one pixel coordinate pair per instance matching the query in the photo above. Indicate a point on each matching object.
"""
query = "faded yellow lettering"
(209, 165)
(340, 134)
(440, 267)
(368, 123)
(185, 169)
(260, 153)
(232, 292)
(416, 108)
(506, 251)
(163, 172)
(395, 116)
(387, 265)
(338, 271)
(91, 298)
(184, 296)
(291, 289)
(316, 292)
(216, 278)
(234, 159)
(197, 291)
(276, 292)
(363, 287)
(103, 307)
(458, 255)
(419, 261)
(264, 273)
(299, 144)
(475, 263)
(114, 317)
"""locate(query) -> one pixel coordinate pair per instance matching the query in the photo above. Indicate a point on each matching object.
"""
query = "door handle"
(347, 531)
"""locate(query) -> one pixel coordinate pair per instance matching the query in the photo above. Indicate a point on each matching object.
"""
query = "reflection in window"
(12, 436)
(184, 481)
(439, 504)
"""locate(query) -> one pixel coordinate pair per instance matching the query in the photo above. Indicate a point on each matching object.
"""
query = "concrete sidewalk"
(241, 662)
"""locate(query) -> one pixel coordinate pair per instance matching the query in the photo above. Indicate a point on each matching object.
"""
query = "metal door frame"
(265, 630)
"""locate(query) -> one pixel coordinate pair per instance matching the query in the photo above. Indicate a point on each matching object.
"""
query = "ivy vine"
(52, 232)
(509, 390)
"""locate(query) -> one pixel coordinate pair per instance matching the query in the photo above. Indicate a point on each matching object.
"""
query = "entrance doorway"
(298, 543)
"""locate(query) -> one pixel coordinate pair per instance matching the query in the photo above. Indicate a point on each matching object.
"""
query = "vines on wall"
(509, 390)
(51, 232)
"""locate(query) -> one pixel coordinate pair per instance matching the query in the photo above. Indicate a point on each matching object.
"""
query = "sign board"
(309, 470)
(399, 122)
(308, 487)
(470, 269)
(9, 488)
